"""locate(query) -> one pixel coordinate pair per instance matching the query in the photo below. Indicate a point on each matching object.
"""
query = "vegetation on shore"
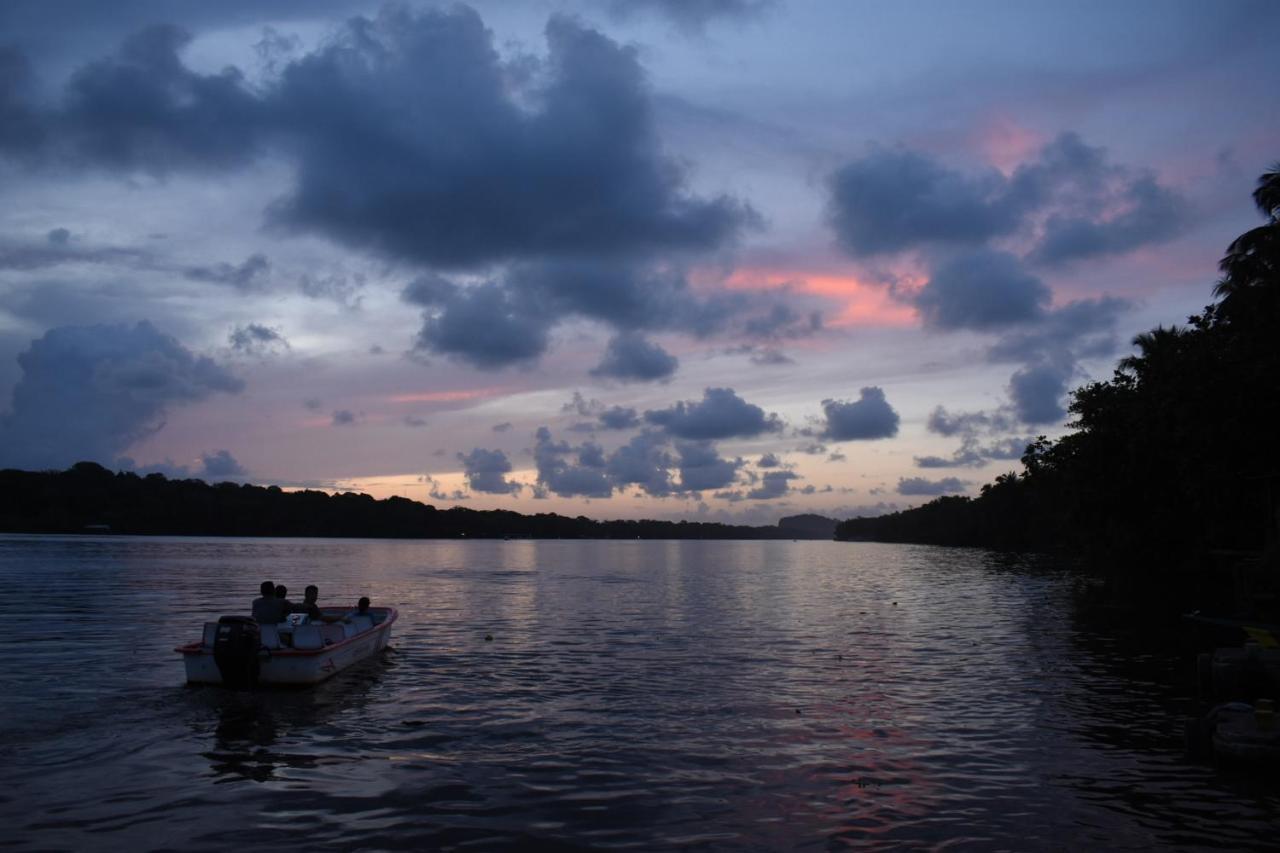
(1171, 457)
(88, 498)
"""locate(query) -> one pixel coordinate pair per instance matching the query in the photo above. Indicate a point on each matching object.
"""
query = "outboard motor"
(235, 651)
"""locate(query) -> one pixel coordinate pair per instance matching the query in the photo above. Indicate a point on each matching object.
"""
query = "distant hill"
(88, 498)
(808, 526)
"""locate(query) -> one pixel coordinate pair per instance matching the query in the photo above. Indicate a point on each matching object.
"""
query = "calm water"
(641, 695)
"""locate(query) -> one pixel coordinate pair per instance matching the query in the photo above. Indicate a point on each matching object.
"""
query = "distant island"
(88, 498)
(1171, 464)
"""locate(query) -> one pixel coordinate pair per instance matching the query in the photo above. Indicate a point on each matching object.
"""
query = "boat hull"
(286, 666)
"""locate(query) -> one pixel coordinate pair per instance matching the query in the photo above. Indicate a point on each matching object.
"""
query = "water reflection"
(254, 731)
(634, 694)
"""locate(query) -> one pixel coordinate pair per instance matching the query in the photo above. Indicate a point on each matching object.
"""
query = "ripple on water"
(634, 695)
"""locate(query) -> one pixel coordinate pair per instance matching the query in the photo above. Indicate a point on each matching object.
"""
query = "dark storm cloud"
(220, 463)
(1037, 391)
(256, 339)
(411, 143)
(22, 128)
(895, 199)
(143, 110)
(631, 358)
(486, 325)
(410, 136)
(89, 392)
(486, 471)
(629, 297)
(869, 417)
(774, 484)
(982, 290)
(250, 275)
(720, 414)
(702, 467)
(643, 462)
(1070, 199)
(921, 486)
(564, 479)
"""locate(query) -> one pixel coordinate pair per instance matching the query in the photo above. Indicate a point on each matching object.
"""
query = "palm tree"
(1156, 348)
(1252, 261)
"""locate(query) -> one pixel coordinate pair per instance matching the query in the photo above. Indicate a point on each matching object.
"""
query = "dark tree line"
(1174, 456)
(90, 498)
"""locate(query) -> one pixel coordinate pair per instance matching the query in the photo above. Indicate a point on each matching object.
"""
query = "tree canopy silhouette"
(1169, 458)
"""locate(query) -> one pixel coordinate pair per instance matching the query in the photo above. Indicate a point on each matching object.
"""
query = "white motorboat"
(238, 652)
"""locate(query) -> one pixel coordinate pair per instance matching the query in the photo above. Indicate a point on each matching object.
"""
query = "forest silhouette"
(88, 498)
(1172, 459)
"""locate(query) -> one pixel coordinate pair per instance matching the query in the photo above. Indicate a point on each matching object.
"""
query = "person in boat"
(268, 610)
(311, 608)
(362, 609)
(282, 593)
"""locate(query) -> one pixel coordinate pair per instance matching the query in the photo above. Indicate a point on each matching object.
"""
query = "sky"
(720, 260)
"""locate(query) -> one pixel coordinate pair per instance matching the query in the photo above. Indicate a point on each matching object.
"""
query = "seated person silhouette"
(268, 610)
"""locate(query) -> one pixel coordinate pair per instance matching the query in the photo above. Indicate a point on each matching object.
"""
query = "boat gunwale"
(198, 648)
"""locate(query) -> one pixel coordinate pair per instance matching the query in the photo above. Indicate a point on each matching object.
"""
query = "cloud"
(251, 275)
(720, 414)
(435, 492)
(1069, 202)
(89, 392)
(942, 422)
(142, 110)
(220, 463)
(1037, 391)
(774, 484)
(410, 136)
(619, 417)
(867, 418)
(921, 486)
(783, 321)
(59, 248)
(631, 358)
(505, 426)
(973, 452)
(558, 476)
(691, 14)
(486, 325)
(895, 199)
(256, 339)
(702, 467)
(313, 404)
(486, 471)
(982, 290)
(343, 417)
(1085, 328)
(643, 462)
(768, 460)
(415, 141)
(413, 421)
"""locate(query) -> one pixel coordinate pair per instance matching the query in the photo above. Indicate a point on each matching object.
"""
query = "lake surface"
(634, 695)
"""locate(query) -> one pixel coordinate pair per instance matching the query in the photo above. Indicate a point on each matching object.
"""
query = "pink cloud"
(864, 303)
(452, 396)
